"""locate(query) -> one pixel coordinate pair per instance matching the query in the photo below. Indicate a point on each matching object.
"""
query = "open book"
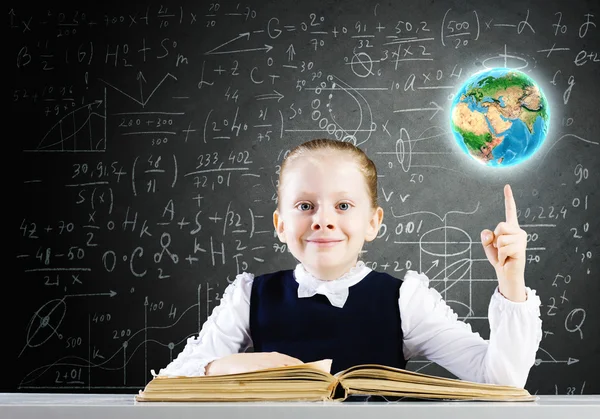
(314, 382)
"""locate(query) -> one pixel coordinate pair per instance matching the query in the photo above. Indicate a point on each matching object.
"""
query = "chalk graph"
(131, 346)
(81, 130)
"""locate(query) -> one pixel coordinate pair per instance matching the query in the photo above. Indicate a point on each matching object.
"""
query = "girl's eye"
(305, 206)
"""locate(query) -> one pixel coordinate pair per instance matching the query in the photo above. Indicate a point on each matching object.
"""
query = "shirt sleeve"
(225, 332)
(432, 329)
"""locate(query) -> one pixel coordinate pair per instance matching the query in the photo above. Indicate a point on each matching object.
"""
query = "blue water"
(474, 106)
(514, 144)
(518, 144)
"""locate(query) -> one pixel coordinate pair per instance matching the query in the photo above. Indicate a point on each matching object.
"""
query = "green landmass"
(543, 112)
(473, 141)
(490, 86)
(493, 86)
(528, 117)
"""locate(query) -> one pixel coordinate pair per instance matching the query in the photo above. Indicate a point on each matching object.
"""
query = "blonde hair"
(363, 162)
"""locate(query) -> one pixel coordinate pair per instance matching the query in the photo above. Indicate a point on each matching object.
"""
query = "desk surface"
(117, 406)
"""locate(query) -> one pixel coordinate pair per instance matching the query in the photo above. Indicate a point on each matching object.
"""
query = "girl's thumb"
(487, 240)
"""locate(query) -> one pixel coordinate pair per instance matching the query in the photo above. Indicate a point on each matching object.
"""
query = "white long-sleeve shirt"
(430, 327)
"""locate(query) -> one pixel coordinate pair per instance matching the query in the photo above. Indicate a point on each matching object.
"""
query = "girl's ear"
(374, 224)
(278, 224)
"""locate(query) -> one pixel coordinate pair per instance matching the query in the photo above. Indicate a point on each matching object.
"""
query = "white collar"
(336, 290)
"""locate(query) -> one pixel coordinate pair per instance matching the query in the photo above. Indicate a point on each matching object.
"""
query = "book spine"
(338, 391)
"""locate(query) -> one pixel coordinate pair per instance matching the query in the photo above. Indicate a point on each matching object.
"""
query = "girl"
(333, 306)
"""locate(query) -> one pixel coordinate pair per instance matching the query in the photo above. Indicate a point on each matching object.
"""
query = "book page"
(309, 381)
(383, 380)
(382, 372)
(323, 365)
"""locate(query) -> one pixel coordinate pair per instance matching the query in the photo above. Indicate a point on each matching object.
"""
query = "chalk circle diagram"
(344, 113)
(361, 64)
(44, 323)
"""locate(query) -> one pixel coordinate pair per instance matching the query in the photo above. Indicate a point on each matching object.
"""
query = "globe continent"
(500, 117)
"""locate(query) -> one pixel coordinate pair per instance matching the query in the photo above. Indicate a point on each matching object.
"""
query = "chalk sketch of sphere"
(45, 322)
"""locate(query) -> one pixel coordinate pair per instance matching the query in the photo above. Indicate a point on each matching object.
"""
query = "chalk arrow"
(12, 15)
(97, 102)
(111, 294)
(246, 35)
(141, 77)
(433, 265)
(436, 108)
(274, 95)
(291, 52)
(242, 35)
(266, 48)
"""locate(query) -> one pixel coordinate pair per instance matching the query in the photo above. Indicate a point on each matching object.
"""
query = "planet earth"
(500, 117)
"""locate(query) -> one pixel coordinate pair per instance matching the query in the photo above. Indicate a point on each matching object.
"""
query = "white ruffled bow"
(336, 290)
(336, 298)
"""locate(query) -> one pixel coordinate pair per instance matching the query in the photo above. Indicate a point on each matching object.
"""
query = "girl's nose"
(323, 218)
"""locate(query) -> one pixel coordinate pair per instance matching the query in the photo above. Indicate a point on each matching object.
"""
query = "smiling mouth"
(324, 243)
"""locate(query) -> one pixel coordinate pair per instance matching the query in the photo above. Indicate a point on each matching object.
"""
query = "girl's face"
(325, 214)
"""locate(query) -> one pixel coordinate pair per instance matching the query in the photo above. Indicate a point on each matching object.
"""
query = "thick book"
(314, 382)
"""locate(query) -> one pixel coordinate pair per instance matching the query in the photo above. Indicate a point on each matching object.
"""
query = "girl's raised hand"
(251, 361)
(505, 250)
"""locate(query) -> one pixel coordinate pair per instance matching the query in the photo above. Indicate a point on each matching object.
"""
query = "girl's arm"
(431, 329)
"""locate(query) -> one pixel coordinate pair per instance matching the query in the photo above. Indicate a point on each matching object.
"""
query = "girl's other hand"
(505, 250)
(246, 362)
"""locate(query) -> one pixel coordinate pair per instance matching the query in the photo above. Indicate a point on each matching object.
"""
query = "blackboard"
(149, 137)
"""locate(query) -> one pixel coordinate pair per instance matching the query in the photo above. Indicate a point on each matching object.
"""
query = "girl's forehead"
(325, 158)
(331, 176)
(324, 173)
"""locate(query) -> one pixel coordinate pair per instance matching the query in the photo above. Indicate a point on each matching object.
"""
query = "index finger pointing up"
(510, 206)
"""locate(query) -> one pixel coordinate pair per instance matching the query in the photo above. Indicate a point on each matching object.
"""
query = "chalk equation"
(152, 139)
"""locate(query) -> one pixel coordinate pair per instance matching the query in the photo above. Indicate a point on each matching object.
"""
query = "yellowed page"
(383, 380)
(308, 381)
